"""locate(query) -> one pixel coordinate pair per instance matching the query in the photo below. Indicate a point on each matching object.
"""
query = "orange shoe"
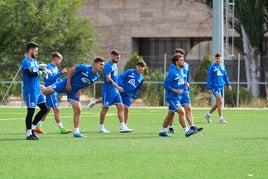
(39, 130)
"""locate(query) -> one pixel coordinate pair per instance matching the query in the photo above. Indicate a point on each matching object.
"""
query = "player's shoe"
(190, 132)
(171, 130)
(91, 104)
(39, 130)
(78, 135)
(35, 136)
(164, 134)
(126, 130)
(65, 131)
(197, 128)
(222, 121)
(208, 118)
(104, 131)
(31, 137)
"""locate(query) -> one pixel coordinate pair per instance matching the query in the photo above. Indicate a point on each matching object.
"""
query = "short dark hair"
(179, 50)
(115, 52)
(31, 45)
(175, 58)
(218, 55)
(99, 59)
(56, 54)
(141, 63)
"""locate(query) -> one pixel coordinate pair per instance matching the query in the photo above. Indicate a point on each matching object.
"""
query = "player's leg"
(170, 125)
(40, 123)
(219, 101)
(215, 92)
(31, 101)
(103, 113)
(76, 105)
(188, 132)
(95, 101)
(57, 117)
(46, 90)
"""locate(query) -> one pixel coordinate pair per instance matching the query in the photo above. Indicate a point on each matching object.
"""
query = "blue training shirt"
(54, 77)
(131, 82)
(174, 80)
(186, 73)
(110, 68)
(217, 75)
(30, 84)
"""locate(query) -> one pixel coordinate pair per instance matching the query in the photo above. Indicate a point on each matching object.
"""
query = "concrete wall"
(118, 21)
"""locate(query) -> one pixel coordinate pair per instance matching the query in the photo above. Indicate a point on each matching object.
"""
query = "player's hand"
(186, 84)
(68, 87)
(42, 66)
(178, 91)
(78, 94)
(120, 89)
(132, 100)
(64, 70)
(230, 88)
(209, 91)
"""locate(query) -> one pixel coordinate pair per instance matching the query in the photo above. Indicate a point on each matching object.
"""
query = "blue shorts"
(217, 91)
(174, 104)
(59, 87)
(186, 98)
(126, 99)
(109, 98)
(52, 100)
(32, 99)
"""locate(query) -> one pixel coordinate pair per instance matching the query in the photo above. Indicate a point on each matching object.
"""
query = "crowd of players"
(119, 90)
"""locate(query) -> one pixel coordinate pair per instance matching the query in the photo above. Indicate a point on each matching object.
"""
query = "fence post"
(238, 81)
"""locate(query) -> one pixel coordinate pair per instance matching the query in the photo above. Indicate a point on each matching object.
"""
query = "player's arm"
(168, 84)
(137, 90)
(31, 74)
(111, 81)
(227, 81)
(122, 77)
(69, 77)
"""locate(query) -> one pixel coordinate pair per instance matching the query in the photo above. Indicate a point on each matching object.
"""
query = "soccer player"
(110, 93)
(32, 94)
(216, 77)
(175, 85)
(131, 81)
(78, 80)
(52, 99)
(186, 101)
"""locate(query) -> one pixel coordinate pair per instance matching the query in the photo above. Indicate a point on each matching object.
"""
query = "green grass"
(236, 150)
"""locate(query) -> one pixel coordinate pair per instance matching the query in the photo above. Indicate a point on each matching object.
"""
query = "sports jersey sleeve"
(53, 77)
(26, 66)
(122, 77)
(209, 78)
(80, 68)
(225, 77)
(168, 81)
(137, 90)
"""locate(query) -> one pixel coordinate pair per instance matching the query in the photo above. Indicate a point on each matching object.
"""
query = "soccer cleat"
(190, 132)
(91, 104)
(126, 130)
(104, 131)
(197, 128)
(39, 130)
(164, 134)
(31, 137)
(208, 118)
(222, 121)
(171, 130)
(35, 136)
(78, 135)
(65, 131)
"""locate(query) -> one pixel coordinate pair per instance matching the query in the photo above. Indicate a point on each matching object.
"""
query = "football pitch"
(238, 149)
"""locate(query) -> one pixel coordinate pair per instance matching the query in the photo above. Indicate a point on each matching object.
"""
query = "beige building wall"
(117, 22)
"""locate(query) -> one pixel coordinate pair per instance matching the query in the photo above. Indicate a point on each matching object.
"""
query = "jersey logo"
(85, 74)
(132, 83)
(219, 73)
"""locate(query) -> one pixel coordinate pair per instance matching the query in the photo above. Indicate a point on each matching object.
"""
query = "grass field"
(236, 150)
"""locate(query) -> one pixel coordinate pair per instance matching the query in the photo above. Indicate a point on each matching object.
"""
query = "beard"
(33, 56)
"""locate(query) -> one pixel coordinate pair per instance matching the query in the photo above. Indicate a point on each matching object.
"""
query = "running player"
(52, 99)
(78, 80)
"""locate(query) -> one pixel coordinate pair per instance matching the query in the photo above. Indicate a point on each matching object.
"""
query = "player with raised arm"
(175, 85)
(52, 99)
(216, 77)
(78, 80)
(111, 93)
(31, 91)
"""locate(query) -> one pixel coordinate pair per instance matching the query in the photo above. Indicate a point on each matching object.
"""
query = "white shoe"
(91, 104)
(126, 130)
(104, 131)
(208, 118)
(222, 121)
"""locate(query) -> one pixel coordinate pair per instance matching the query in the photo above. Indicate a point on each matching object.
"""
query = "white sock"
(40, 123)
(101, 126)
(186, 129)
(94, 101)
(122, 125)
(29, 132)
(60, 125)
(163, 129)
(33, 126)
(76, 131)
(208, 113)
(221, 117)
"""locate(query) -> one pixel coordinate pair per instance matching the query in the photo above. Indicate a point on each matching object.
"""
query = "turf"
(236, 150)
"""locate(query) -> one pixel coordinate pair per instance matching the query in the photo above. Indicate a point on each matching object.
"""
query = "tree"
(52, 24)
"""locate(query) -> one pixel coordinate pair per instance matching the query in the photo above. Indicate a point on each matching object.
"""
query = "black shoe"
(171, 130)
(197, 128)
(35, 136)
(31, 137)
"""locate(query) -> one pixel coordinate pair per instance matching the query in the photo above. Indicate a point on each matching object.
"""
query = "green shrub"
(245, 97)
